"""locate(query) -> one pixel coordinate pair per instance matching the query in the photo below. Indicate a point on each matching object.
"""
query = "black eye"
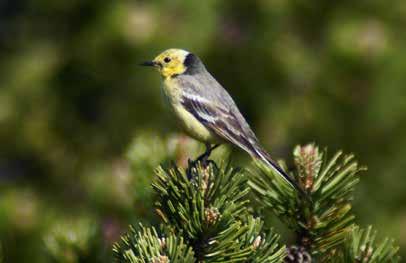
(167, 60)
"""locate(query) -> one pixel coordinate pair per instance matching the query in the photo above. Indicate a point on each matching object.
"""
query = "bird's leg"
(204, 157)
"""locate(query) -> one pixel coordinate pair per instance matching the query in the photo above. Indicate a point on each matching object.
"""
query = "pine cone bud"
(297, 255)
(366, 254)
(160, 259)
(162, 242)
(257, 242)
(212, 215)
(206, 177)
(308, 160)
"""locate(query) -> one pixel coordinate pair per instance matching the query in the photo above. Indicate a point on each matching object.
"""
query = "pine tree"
(207, 216)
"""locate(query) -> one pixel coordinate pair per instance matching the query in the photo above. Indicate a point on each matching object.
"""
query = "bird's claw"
(204, 163)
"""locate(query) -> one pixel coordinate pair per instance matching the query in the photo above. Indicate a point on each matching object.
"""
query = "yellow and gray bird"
(205, 109)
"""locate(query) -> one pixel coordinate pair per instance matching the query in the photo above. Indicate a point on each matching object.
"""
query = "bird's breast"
(172, 90)
(193, 127)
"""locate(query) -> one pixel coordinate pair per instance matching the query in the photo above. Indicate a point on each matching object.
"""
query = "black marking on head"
(190, 60)
(193, 64)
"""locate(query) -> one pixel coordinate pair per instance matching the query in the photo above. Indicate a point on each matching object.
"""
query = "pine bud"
(366, 253)
(308, 161)
(206, 177)
(212, 215)
(162, 242)
(160, 259)
(257, 242)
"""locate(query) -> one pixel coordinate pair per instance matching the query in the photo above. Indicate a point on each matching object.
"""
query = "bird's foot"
(203, 163)
(203, 160)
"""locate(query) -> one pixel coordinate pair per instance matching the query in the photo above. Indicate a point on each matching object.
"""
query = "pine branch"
(208, 206)
(362, 247)
(145, 246)
(264, 245)
(320, 225)
(205, 208)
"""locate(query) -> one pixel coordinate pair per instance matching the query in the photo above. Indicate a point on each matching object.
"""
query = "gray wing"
(211, 104)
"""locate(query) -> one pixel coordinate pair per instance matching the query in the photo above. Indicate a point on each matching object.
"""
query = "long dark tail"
(264, 156)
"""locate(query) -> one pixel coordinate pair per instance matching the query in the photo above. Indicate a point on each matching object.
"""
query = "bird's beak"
(148, 64)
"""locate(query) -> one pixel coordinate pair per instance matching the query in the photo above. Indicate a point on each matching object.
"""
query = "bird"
(205, 110)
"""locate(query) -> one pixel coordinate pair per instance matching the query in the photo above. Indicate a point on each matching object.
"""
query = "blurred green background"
(82, 126)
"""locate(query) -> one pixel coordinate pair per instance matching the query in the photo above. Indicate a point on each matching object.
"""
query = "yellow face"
(170, 62)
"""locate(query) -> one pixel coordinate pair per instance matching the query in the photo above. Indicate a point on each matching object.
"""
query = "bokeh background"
(82, 126)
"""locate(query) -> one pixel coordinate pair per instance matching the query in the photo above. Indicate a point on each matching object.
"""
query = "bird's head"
(173, 62)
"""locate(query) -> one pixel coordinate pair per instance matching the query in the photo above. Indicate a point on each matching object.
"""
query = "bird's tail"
(264, 156)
